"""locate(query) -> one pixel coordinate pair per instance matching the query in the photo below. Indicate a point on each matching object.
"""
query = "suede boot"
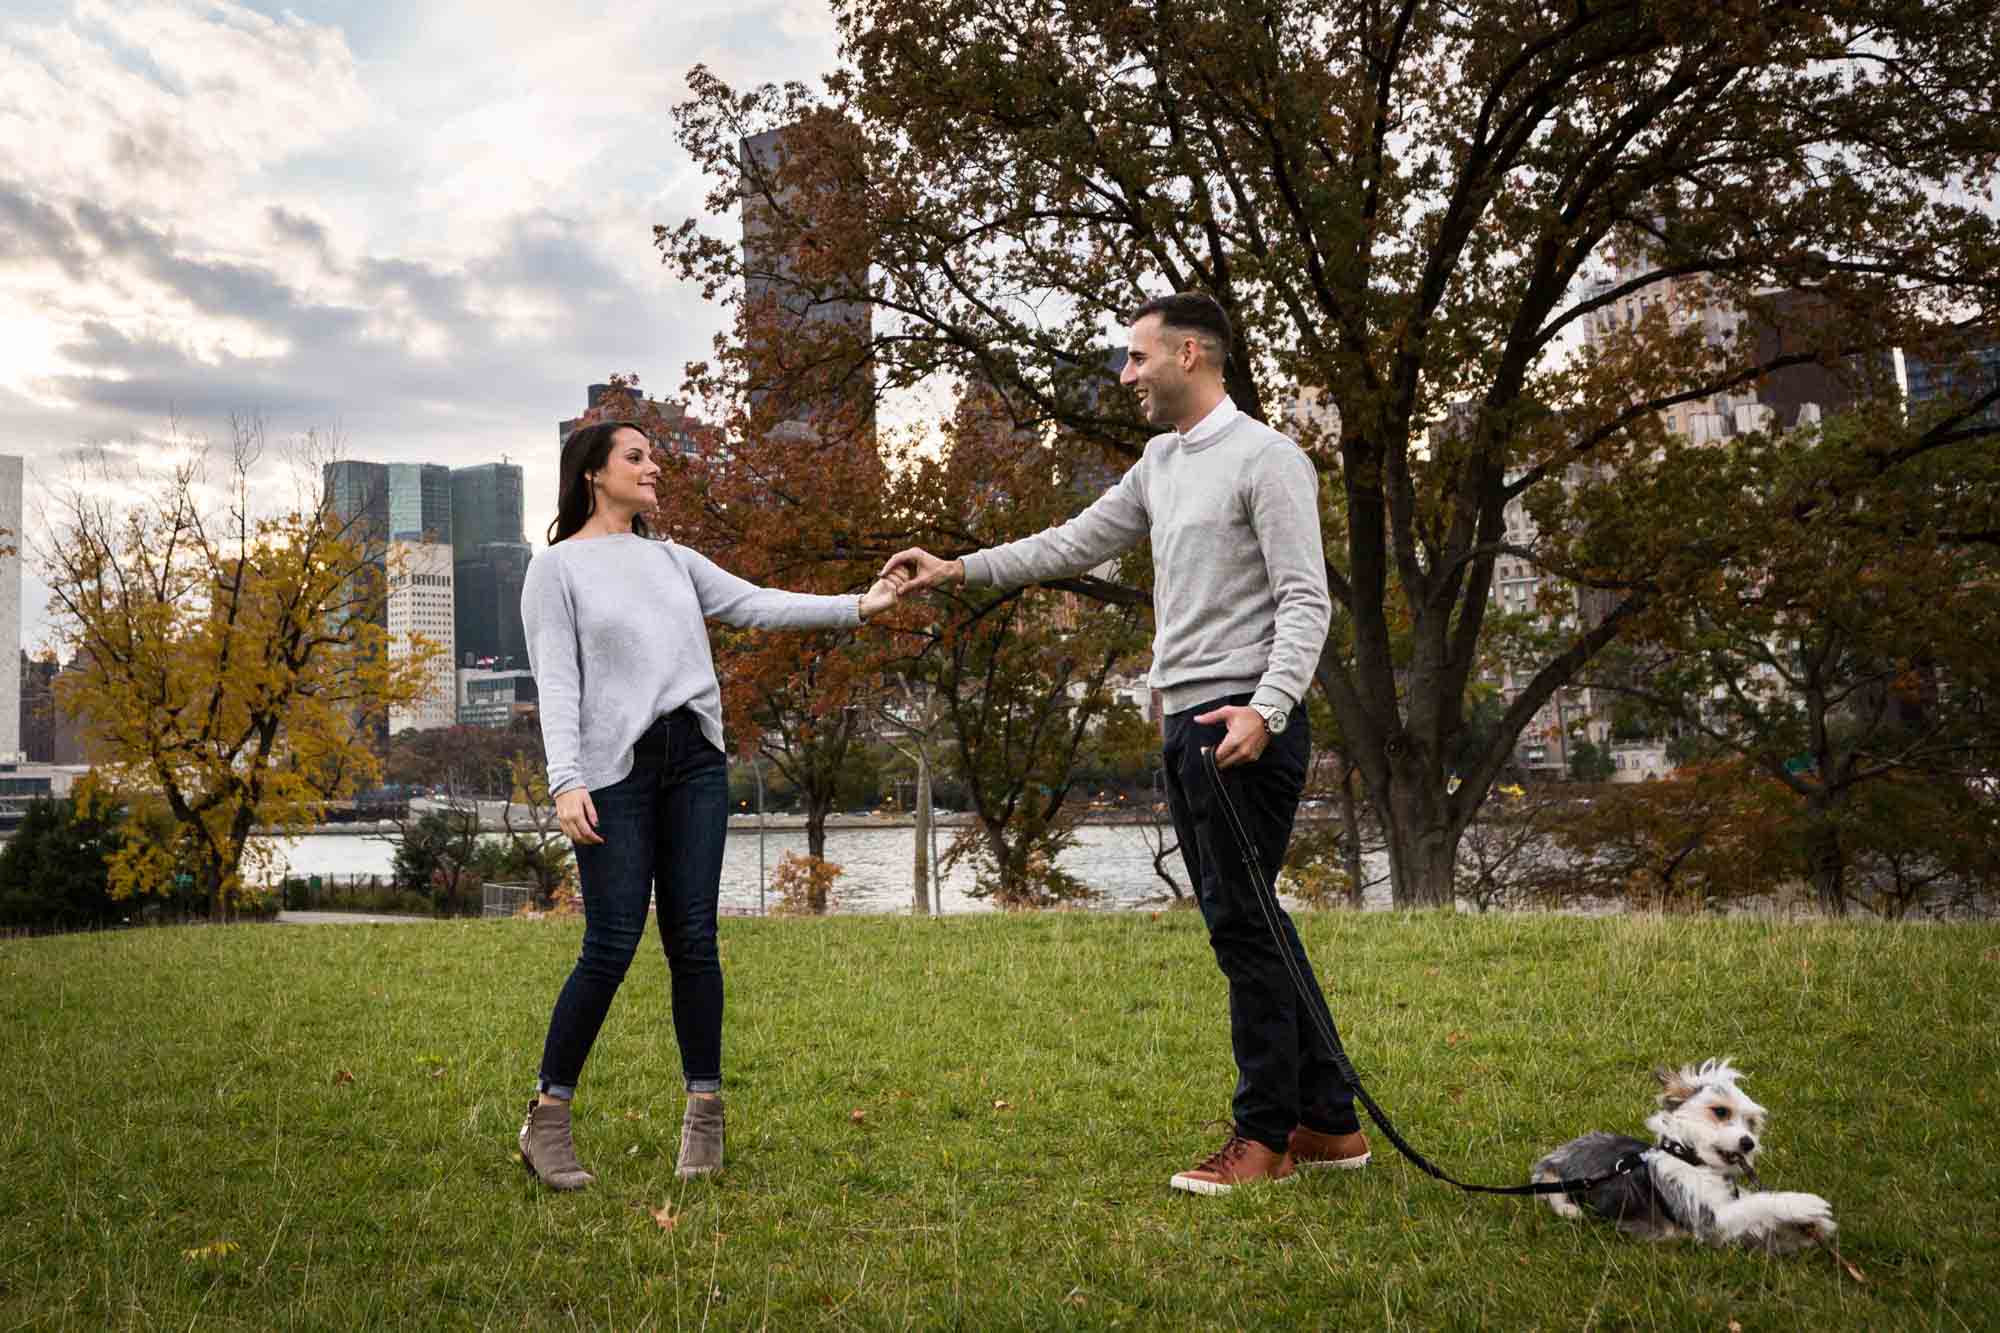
(546, 1149)
(701, 1138)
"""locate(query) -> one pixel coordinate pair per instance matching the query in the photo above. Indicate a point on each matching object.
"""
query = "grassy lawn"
(968, 1124)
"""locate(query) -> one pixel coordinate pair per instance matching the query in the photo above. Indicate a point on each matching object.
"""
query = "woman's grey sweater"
(616, 639)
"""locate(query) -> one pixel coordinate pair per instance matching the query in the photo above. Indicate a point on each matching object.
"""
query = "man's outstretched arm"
(1115, 522)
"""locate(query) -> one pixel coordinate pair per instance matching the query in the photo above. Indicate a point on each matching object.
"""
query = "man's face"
(1153, 370)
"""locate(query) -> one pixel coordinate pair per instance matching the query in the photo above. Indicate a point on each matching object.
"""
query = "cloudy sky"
(426, 224)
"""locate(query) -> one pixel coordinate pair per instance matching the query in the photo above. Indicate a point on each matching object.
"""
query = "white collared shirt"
(1219, 419)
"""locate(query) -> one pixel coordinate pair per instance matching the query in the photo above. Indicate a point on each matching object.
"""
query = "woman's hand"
(578, 817)
(881, 596)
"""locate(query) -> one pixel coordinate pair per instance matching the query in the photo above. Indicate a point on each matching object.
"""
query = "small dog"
(1706, 1133)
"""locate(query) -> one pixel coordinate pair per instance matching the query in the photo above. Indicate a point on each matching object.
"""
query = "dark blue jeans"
(663, 826)
(1285, 1070)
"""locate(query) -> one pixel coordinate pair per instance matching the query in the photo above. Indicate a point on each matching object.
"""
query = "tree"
(1705, 835)
(536, 843)
(479, 760)
(1397, 204)
(1590, 763)
(437, 853)
(231, 663)
(1856, 651)
(914, 717)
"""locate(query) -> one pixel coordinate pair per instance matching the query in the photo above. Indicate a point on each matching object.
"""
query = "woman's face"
(629, 475)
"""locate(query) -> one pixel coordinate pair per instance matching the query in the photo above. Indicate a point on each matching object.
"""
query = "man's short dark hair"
(1192, 312)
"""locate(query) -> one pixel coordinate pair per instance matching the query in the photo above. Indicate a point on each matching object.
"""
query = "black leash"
(1315, 1005)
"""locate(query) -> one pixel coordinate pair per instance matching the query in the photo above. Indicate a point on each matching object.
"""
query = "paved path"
(348, 919)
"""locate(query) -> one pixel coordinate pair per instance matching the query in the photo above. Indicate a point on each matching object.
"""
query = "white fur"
(1705, 1109)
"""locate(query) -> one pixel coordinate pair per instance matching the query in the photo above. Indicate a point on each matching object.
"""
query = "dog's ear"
(1676, 1086)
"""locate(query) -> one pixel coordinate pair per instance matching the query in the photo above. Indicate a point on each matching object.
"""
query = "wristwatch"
(1274, 717)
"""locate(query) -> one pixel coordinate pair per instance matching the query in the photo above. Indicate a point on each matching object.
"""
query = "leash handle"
(1314, 1002)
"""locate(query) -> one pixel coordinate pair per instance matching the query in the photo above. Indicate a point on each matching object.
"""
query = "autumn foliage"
(1402, 210)
(228, 669)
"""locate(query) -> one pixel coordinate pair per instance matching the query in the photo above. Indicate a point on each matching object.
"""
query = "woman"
(632, 723)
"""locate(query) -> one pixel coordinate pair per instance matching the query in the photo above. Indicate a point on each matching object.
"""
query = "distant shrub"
(804, 885)
(53, 871)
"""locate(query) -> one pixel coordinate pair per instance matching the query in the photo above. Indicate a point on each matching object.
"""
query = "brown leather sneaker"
(1239, 1162)
(1310, 1148)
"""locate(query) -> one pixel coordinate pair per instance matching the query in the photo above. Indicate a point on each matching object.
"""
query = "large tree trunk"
(1423, 846)
(1826, 863)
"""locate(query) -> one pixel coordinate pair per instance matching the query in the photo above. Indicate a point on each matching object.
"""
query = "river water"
(1114, 859)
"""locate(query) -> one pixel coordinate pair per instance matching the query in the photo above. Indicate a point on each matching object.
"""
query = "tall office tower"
(489, 561)
(407, 502)
(485, 505)
(10, 607)
(818, 371)
(404, 510)
(487, 600)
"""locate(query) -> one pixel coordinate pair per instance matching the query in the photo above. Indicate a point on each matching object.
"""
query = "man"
(1240, 614)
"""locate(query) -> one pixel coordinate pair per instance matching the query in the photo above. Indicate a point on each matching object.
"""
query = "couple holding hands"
(631, 717)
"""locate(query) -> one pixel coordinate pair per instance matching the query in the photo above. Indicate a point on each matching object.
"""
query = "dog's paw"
(1810, 1215)
(1794, 1220)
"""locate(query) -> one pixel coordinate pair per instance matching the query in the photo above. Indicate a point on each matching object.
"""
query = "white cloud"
(425, 225)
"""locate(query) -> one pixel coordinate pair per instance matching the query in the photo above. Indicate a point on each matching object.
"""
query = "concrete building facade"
(420, 604)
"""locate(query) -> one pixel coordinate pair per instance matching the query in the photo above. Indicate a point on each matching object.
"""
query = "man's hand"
(919, 569)
(1247, 734)
(578, 817)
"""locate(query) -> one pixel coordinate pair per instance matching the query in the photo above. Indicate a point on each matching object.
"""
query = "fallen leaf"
(342, 1077)
(438, 1072)
(1453, 1038)
(666, 1217)
(635, 1115)
(215, 1249)
(857, 1115)
(999, 1105)
(632, 1151)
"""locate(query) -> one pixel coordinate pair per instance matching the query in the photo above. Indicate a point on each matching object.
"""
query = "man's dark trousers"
(1285, 1072)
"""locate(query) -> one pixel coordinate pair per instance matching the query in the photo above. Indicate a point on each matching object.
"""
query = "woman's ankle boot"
(701, 1138)
(546, 1149)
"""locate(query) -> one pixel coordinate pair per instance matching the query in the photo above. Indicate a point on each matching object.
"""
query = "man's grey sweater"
(1239, 577)
(615, 639)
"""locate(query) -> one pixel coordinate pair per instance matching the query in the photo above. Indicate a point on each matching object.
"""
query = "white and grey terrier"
(1706, 1136)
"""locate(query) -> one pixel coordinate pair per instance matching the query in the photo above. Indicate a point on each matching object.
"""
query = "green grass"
(172, 1089)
